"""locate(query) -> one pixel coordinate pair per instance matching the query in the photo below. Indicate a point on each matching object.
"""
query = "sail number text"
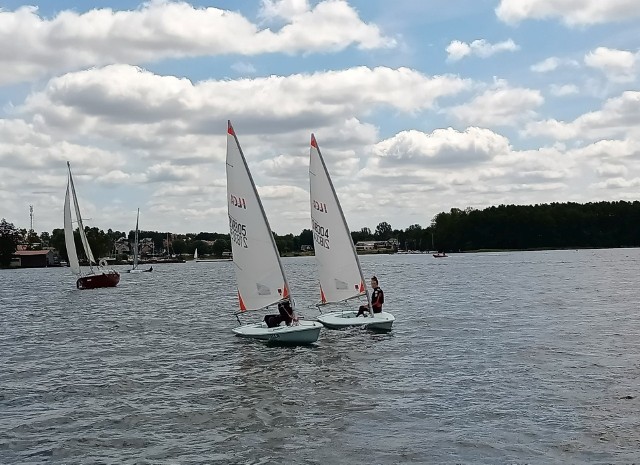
(320, 206)
(320, 235)
(238, 232)
(238, 202)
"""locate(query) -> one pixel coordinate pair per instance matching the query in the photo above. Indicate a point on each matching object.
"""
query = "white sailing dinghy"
(97, 277)
(341, 278)
(259, 273)
(136, 251)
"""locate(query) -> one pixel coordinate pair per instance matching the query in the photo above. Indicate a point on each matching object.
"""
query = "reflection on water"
(494, 358)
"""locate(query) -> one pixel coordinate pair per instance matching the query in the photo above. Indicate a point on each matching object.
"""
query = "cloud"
(34, 47)
(618, 116)
(441, 147)
(551, 64)
(146, 110)
(481, 48)
(609, 170)
(285, 9)
(618, 183)
(570, 12)
(242, 67)
(563, 90)
(160, 139)
(501, 105)
(617, 65)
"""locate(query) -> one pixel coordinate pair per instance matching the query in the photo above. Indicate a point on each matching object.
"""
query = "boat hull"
(95, 281)
(306, 332)
(382, 321)
(138, 270)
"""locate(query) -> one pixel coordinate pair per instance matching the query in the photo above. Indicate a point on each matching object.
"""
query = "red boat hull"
(94, 281)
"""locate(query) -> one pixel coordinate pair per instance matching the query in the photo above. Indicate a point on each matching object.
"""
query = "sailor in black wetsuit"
(377, 299)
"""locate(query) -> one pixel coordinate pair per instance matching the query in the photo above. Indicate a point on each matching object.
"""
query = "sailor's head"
(374, 281)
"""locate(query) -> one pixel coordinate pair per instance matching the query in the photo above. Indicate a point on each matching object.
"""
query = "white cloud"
(609, 170)
(501, 105)
(572, 13)
(481, 48)
(242, 67)
(132, 134)
(441, 147)
(617, 65)
(551, 64)
(618, 183)
(34, 46)
(618, 116)
(287, 9)
(142, 108)
(563, 90)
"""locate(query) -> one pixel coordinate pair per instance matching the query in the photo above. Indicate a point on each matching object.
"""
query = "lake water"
(523, 357)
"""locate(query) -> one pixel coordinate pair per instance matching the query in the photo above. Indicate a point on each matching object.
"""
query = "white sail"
(195, 254)
(83, 235)
(260, 278)
(68, 235)
(135, 243)
(340, 272)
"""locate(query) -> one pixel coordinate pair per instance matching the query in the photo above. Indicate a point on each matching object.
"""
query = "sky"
(417, 106)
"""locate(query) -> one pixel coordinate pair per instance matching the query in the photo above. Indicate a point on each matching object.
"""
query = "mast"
(314, 144)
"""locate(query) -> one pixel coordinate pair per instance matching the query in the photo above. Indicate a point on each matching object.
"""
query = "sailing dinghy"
(97, 276)
(136, 251)
(259, 274)
(341, 278)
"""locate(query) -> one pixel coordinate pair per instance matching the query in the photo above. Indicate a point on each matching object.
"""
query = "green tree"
(9, 240)
(306, 237)
(179, 246)
(383, 231)
(219, 246)
(57, 242)
(45, 237)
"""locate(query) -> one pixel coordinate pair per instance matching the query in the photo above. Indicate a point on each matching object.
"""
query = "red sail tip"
(323, 298)
(313, 141)
(243, 307)
(230, 130)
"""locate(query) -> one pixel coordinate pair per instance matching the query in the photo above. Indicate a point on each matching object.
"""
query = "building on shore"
(34, 259)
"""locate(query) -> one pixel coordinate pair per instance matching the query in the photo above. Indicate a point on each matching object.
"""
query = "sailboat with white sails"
(259, 274)
(341, 278)
(136, 251)
(97, 276)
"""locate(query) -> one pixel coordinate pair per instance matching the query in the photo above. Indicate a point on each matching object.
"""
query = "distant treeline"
(555, 225)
